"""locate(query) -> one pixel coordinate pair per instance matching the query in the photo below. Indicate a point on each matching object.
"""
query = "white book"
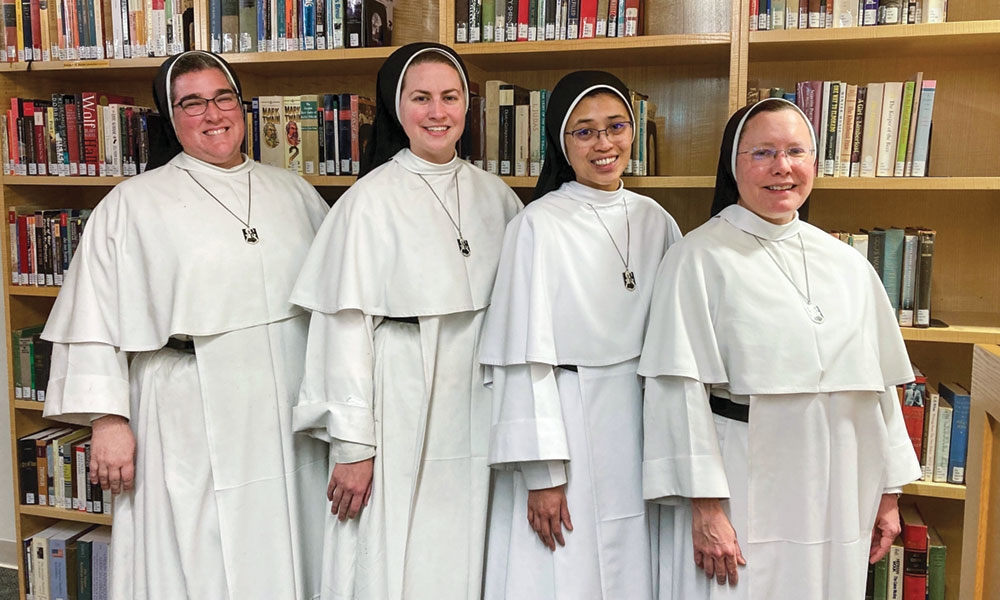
(859, 241)
(846, 131)
(934, 11)
(873, 119)
(522, 134)
(845, 13)
(942, 451)
(930, 435)
(894, 587)
(889, 129)
(778, 14)
(839, 142)
(158, 32)
(535, 117)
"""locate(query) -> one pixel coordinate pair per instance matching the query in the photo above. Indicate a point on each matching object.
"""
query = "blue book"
(892, 265)
(961, 402)
(921, 144)
(62, 570)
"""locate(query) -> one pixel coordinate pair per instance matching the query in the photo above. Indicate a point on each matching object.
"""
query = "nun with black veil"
(174, 339)
(773, 436)
(561, 345)
(398, 281)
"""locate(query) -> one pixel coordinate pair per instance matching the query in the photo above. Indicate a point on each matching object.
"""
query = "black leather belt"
(410, 320)
(724, 407)
(568, 368)
(178, 344)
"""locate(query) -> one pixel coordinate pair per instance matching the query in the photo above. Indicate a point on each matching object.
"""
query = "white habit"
(825, 436)
(223, 500)
(560, 299)
(409, 394)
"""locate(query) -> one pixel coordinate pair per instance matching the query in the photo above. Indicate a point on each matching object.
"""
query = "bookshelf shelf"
(955, 38)
(29, 405)
(635, 183)
(48, 291)
(63, 181)
(908, 183)
(650, 50)
(928, 489)
(963, 328)
(129, 64)
(52, 512)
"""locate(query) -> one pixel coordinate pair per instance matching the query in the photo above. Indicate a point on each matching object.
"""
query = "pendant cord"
(249, 198)
(627, 257)
(805, 268)
(458, 197)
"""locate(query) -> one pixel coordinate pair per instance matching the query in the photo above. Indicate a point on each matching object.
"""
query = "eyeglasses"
(613, 132)
(766, 156)
(197, 106)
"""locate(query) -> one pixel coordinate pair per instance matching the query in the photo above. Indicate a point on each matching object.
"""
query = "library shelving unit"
(695, 62)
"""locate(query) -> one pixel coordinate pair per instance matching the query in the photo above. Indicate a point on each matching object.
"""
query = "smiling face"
(432, 110)
(215, 136)
(774, 189)
(600, 161)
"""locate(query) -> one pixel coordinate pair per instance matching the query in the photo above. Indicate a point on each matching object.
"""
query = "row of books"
(92, 29)
(30, 361)
(537, 20)
(54, 467)
(86, 134)
(311, 134)
(904, 260)
(938, 426)
(42, 244)
(914, 568)
(818, 14)
(281, 25)
(68, 561)
(874, 130)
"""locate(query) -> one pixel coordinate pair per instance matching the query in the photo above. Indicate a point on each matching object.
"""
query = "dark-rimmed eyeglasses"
(613, 131)
(197, 106)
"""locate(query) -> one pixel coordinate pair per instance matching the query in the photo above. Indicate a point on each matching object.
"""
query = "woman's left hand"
(886, 527)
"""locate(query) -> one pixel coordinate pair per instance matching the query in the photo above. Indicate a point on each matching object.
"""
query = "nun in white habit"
(772, 424)
(174, 337)
(398, 281)
(562, 341)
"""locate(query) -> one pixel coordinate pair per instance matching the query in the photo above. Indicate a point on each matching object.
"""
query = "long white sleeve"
(336, 399)
(86, 381)
(681, 455)
(528, 427)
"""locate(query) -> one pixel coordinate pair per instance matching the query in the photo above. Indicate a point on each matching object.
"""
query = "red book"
(72, 139)
(12, 151)
(522, 20)
(36, 30)
(22, 249)
(914, 553)
(588, 18)
(41, 139)
(632, 21)
(912, 398)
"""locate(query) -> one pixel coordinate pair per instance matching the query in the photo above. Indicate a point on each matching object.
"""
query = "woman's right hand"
(350, 488)
(112, 453)
(547, 513)
(716, 550)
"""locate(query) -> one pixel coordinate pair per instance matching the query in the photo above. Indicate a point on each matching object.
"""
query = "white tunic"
(560, 299)
(409, 395)
(219, 508)
(825, 437)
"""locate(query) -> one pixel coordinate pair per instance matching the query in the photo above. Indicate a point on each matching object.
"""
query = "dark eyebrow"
(218, 92)
(451, 91)
(612, 118)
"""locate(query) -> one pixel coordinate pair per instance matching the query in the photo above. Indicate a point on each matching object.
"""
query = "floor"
(8, 584)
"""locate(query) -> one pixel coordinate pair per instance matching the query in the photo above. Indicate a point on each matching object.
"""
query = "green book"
(936, 554)
(882, 579)
(904, 128)
(489, 18)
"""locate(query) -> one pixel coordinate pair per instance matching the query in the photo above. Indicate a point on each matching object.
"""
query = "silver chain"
(249, 198)
(458, 197)
(626, 258)
(805, 268)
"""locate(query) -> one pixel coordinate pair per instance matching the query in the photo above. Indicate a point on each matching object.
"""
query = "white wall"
(8, 546)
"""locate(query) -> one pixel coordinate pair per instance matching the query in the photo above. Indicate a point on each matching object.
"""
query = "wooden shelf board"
(948, 491)
(331, 180)
(651, 50)
(963, 328)
(29, 405)
(52, 512)
(932, 39)
(130, 64)
(908, 183)
(44, 291)
(66, 181)
(635, 183)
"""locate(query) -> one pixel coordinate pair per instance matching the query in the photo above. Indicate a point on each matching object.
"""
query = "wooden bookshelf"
(696, 65)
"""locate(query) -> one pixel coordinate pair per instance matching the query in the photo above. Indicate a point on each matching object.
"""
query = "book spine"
(930, 436)
(921, 142)
(859, 130)
(959, 438)
(904, 129)
(943, 442)
(889, 129)
(922, 302)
